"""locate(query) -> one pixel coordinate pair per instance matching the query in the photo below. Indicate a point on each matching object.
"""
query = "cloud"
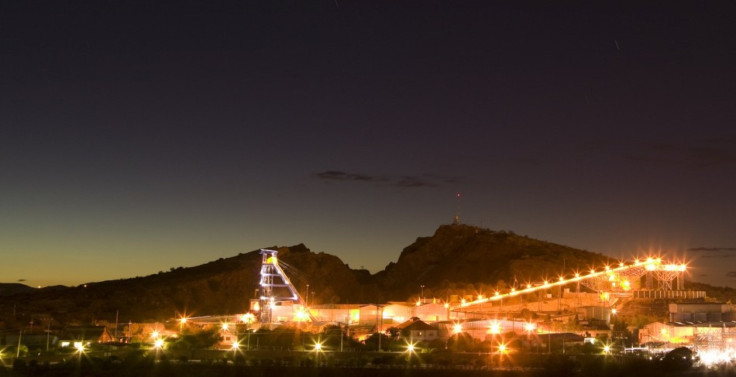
(409, 181)
(712, 249)
(714, 252)
(336, 175)
(731, 274)
(711, 152)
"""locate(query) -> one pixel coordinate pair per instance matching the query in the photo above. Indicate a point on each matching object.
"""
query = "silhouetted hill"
(9, 289)
(457, 259)
(461, 256)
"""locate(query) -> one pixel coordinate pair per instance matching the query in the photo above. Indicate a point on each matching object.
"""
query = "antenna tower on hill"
(456, 220)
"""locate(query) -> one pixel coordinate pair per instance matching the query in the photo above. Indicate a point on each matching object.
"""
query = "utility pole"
(17, 351)
(48, 336)
(115, 333)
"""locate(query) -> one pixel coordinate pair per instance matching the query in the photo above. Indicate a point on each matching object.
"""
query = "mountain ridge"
(456, 259)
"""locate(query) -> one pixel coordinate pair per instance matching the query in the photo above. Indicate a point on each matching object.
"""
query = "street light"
(235, 347)
(502, 349)
(158, 344)
(317, 350)
(79, 346)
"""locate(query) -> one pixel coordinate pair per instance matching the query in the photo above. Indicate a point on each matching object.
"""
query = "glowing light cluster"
(495, 328)
(713, 357)
(301, 315)
(248, 318)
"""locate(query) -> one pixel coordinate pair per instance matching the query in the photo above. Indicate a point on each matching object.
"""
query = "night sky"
(136, 138)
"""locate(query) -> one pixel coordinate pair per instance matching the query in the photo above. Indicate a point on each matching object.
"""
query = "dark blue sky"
(135, 138)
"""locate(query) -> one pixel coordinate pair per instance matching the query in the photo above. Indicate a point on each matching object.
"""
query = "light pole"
(307, 300)
(422, 294)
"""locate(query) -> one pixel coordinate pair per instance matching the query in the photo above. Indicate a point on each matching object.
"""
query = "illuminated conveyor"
(610, 278)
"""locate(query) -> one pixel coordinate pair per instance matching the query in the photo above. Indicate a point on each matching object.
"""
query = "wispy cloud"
(714, 252)
(409, 181)
(336, 175)
(712, 249)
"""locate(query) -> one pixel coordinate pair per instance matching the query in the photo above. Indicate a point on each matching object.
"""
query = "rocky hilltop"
(463, 257)
(457, 259)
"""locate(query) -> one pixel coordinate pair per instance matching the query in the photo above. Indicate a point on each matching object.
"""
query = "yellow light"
(546, 283)
(614, 311)
(577, 275)
(410, 348)
(183, 320)
(607, 349)
(318, 346)
(682, 267)
(592, 270)
(621, 264)
(235, 346)
(529, 327)
(301, 315)
(495, 328)
(562, 278)
(419, 302)
(528, 286)
(497, 293)
(159, 343)
(247, 317)
(607, 268)
(79, 346)
(447, 305)
(257, 307)
(225, 326)
(502, 348)
(457, 328)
